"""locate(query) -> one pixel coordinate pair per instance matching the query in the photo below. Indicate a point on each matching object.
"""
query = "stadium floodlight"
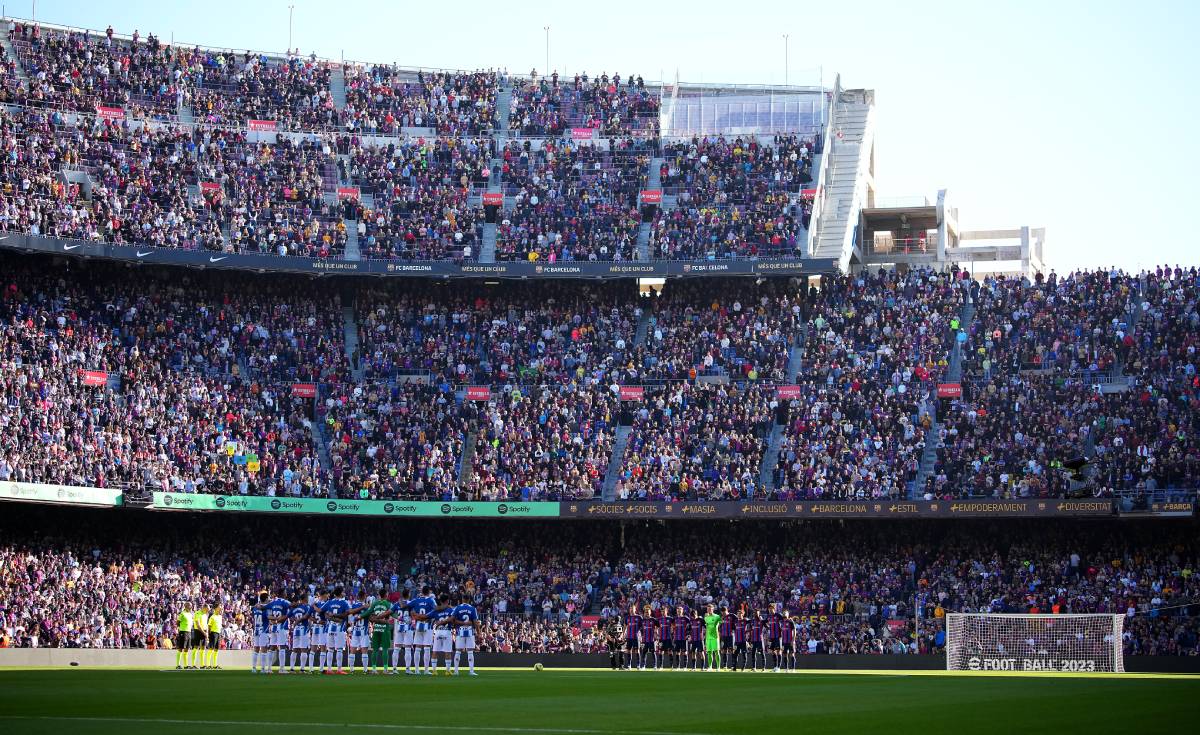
(998, 642)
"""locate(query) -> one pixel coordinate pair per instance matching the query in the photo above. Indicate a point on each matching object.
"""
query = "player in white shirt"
(360, 635)
(401, 637)
(320, 658)
(420, 609)
(465, 620)
(443, 637)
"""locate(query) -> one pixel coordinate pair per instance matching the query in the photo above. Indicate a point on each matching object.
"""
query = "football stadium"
(429, 394)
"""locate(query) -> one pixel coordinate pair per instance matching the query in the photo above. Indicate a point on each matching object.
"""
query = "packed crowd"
(110, 382)
(854, 588)
(571, 201)
(548, 106)
(382, 100)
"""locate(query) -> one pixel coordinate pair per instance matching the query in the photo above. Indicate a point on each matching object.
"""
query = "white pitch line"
(363, 725)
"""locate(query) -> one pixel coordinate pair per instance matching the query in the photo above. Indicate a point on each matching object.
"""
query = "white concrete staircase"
(350, 338)
(613, 474)
(845, 189)
(337, 88)
(352, 251)
(12, 56)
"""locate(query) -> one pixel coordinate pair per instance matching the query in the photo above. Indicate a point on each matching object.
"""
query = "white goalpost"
(998, 642)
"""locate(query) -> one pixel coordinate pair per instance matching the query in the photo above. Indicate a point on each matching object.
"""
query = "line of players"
(677, 642)
(312, 632)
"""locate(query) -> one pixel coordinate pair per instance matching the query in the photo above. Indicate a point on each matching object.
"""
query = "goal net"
(994, 642)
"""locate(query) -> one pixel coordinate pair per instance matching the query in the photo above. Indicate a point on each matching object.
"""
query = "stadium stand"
(856, 588)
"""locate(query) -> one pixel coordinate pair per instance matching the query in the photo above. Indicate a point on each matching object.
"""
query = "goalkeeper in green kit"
(379, 615)
(712, 642)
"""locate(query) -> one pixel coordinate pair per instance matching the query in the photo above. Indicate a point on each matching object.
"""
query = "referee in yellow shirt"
(183, 639)
(214, 636)
(199, 637)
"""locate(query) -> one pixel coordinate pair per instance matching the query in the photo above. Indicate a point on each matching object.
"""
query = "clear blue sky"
(1077, 116)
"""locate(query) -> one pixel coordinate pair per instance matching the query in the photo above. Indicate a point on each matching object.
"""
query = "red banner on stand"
(494, 198)
(787, 392)
(348, 192)
(110, 113)
(949, 390)
(632, 393)
(209, 186)
(652, 196)
(478, 393)
(582, 133)
(304, 390)
(267, 126)
(95, 378)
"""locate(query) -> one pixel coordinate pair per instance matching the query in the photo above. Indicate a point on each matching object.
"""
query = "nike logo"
(140, 254)
(217, 260)
(69, 247)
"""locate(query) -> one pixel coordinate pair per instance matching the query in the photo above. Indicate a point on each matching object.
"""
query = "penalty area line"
(340, 725)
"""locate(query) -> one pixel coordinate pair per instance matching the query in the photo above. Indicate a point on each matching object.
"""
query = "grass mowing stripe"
(363, 725)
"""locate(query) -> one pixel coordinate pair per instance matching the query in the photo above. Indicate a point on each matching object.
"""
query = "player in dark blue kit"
(466, 625)
(633, 634)
(725, 628)
(755, 627)
(739, 641)
(649, 639)
(787, 641)
(680, 625)
(696, 641)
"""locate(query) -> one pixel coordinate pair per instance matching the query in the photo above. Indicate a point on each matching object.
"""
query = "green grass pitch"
(589, 702)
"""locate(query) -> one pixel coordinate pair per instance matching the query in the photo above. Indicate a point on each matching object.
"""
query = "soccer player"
(774, 633)
(649, 638)
(261, 639)
(712, 641)
(320, 656)
(301, 627)
(726, 631)
(420, 609)
(696, 650)
(379, 615)
(787, 641)
(199, 637)
(401, 635)
(360, 634)
(633, 633)
(443, 639)
(680, 625)
(754, 640)
(466, 621)
(214, 636)
(336, 611)
(183, 638)
(739, 640)
(277, 618)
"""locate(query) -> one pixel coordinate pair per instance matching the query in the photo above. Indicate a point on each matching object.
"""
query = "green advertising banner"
(351, 507)
(33, 492)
